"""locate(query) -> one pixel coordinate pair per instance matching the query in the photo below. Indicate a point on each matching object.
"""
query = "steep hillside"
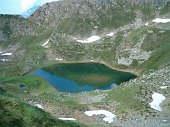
(18, 114)
(63, 23)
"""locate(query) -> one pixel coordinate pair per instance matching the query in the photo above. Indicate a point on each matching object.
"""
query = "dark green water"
(78, 77)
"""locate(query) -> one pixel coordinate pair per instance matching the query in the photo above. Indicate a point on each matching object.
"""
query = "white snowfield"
(4, 60)
(6, 54)
(110, 34)
(108, 115)
(59, 59)
(39, 106)
(157, 100)
(90, 39)
(68, 119)
(163, 87)
(146, 24)
(158, 20)
(45, 44)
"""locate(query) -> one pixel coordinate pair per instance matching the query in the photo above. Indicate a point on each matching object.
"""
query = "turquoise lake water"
(79, 77)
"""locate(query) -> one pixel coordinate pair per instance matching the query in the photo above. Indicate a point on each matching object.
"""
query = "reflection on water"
(82, 77)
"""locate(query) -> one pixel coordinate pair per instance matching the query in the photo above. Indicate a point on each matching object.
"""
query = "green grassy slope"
(62, 25)
(18, 114)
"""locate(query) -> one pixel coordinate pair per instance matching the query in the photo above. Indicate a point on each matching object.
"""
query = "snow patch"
(45, 44)
(4, 60)
(74, 38)
(6, 54)
(69, 119)
(108, 115)
(163, 87)
(157, 100)
(146, 24)
(96, 27)
(39, 106)
(90, 39)
(59, 59)
(158, 20)
(110, 34)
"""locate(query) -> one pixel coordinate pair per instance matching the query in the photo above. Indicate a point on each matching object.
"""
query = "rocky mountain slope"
(119, 33)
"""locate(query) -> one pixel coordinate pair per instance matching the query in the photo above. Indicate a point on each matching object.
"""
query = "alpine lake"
(79, 77)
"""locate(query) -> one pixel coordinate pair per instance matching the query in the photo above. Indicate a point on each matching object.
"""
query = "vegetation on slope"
(18, 114)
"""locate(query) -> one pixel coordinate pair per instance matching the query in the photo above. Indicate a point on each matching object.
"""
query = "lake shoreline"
(132, 71)
(86, 76)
